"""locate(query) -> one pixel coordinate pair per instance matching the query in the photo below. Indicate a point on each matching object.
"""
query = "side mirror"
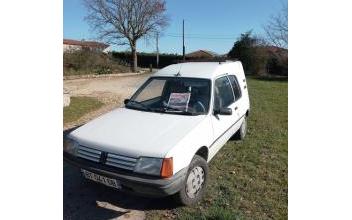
(223, 111)
(126, 101)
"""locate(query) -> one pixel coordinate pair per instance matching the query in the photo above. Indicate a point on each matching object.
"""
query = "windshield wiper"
(176, 110)
(141, 104)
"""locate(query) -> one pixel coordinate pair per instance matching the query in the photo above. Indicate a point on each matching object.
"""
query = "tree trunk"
(134, 57)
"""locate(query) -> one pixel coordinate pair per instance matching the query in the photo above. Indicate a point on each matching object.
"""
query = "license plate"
(101, 179)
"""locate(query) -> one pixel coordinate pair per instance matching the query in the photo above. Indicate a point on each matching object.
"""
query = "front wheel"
(195, 182)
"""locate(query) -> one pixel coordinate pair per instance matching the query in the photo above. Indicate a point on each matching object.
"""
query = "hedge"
(146, 59)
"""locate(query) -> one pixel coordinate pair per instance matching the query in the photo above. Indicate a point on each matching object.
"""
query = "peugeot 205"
(161, 141)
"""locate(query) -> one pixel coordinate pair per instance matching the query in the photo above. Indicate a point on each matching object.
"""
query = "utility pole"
(157, 50)
(183, 39)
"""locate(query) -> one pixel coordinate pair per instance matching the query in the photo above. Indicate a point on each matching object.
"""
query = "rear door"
(224, 126)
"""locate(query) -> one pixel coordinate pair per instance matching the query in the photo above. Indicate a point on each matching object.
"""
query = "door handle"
(236, 108)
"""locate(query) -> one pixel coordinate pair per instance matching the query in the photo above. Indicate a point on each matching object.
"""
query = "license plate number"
(101, 179)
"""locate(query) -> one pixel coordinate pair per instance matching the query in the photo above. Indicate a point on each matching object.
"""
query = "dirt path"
(114, 87)
(111, 91)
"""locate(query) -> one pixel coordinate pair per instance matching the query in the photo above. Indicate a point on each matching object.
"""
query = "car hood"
(135, 133)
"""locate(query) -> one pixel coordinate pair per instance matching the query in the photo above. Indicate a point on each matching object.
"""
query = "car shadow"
(84, 199)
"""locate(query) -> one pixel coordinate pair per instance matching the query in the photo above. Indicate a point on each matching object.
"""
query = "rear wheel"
(241, 133)
(195, 182)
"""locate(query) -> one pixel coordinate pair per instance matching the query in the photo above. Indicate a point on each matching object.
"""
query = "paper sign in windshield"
(179, 101)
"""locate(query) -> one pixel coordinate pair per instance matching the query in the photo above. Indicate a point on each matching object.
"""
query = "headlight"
(149, 165)
(162, 167)
(70, 146)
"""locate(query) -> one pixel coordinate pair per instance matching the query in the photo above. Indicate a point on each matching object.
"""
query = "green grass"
(248, 179)
(80, 106)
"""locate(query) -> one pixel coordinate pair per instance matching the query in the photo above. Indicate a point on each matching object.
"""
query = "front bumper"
(131, 182)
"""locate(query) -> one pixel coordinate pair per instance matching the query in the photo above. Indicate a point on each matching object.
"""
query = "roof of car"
(208, 70)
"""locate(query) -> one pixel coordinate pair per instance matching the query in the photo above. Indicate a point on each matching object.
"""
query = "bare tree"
(277, 28)
(125, 21)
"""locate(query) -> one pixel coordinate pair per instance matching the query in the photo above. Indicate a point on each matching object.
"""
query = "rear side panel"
(243, 84)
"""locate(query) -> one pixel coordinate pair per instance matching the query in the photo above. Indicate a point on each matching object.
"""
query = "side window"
(236, 87)
(223, 95)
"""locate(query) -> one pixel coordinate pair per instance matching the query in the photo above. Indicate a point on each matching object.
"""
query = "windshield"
(174, 95)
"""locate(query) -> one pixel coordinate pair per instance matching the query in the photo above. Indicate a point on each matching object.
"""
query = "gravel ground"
(87, 200)
(110, 90)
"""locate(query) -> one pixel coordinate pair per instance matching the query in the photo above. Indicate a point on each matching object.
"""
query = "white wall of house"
(107, 50)
(68, 47)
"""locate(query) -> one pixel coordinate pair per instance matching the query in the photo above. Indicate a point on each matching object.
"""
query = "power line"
(200, 37)
(206, 35)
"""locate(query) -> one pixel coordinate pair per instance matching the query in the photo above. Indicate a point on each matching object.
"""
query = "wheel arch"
(203, 152)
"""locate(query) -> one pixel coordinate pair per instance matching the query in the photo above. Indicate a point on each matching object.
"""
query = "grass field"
(248, 179)
(80, 106)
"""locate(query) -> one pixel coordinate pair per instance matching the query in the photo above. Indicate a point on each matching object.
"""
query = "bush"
(247, 49)
(90, 62)
(102, 70)
(258, 58)
(278, 64)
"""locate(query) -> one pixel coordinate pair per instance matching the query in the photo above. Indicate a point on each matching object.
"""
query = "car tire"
(195, 182)
(242, 131)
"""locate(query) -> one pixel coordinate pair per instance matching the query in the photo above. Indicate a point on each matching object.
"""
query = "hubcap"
(195, 182)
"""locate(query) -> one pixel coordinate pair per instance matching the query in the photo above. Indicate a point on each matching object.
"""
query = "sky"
(209, 24)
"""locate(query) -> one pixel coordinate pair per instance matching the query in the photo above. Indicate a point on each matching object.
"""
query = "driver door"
(224, 126)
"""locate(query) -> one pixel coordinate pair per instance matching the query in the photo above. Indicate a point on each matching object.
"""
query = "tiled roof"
(92, 44)
(202, 53)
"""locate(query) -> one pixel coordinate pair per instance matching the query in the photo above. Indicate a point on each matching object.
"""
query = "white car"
(161, 141)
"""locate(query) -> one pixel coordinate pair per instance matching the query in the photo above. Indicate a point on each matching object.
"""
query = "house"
(74, 45)
(277, 62)
(276, 51)
(201, 54)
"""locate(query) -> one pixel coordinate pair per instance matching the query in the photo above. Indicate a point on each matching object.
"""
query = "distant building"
(74, 45)
(277, 51)
(201, 54)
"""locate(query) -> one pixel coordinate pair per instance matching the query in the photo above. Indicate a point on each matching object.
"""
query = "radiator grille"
(120, 161)
(89, 153)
